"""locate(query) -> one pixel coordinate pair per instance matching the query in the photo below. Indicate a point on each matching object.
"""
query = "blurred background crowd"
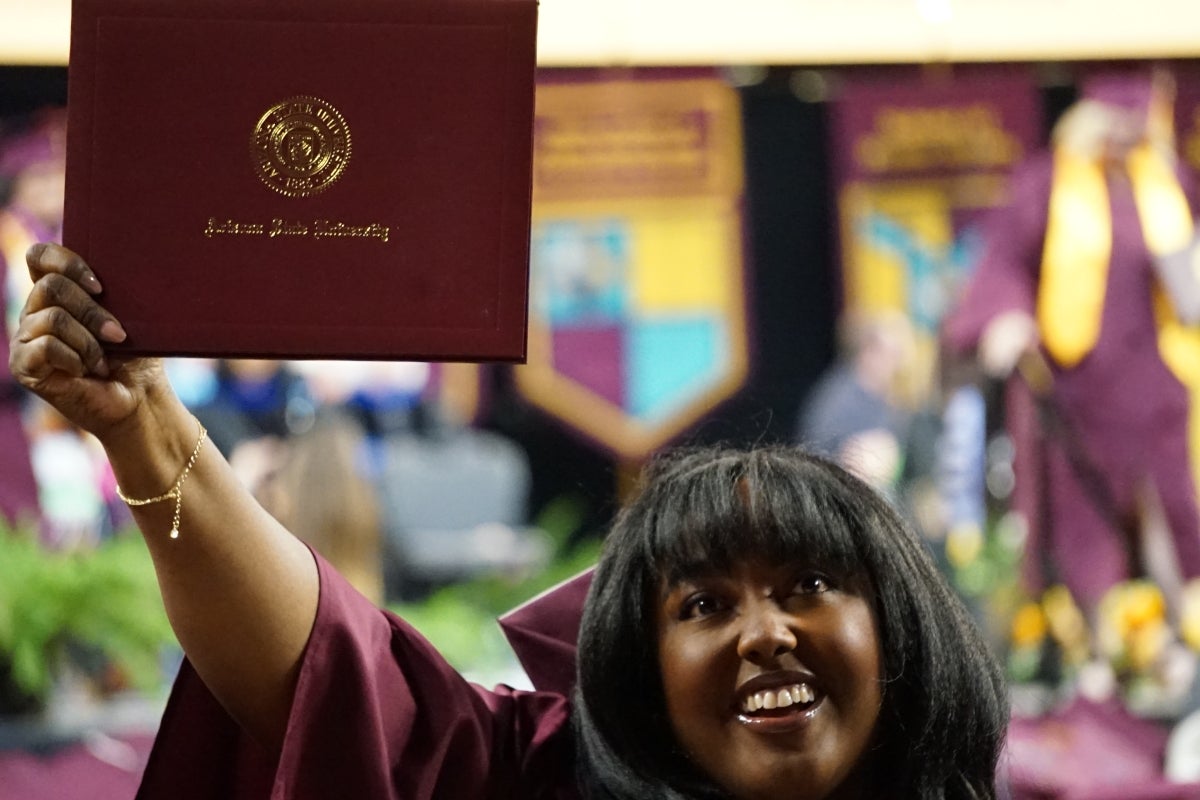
(976, 285)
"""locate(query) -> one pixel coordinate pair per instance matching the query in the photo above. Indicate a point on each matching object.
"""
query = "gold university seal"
(300, 146)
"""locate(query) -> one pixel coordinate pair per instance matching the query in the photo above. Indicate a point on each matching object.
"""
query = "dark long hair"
(944, 709)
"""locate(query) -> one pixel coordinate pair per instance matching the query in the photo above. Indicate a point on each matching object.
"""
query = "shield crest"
(637, 301)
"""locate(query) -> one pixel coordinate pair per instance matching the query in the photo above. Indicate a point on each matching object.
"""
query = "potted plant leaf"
(55, 605)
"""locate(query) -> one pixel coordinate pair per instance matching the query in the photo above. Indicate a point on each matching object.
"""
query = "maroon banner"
(918, 159)
(637, 321)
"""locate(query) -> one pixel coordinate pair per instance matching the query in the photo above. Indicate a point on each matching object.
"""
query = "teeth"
(796, 694)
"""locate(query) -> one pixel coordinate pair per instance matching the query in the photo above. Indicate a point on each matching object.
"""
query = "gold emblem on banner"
(300, 146)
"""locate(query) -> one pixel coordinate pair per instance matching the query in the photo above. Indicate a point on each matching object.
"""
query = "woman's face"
(772, 679)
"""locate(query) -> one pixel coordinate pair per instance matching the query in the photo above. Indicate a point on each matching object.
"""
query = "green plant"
(103, 600)
(460, 620)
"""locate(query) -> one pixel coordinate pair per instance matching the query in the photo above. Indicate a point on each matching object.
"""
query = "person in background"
(301, 458)
(256, 407)
(32, 172)
(1067, 292)
(852, 414)
(322, 492)
(76, 488)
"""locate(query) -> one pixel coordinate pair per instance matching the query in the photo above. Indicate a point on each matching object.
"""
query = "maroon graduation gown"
(1129, 413)
(379, 715)
(18, 488)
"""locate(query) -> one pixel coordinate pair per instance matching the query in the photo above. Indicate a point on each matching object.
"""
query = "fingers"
(41, 358)
(45, 259)
(61, 327)
(54, 290)
(61, 340)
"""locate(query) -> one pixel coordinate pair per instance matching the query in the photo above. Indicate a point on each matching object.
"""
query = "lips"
(777, 702)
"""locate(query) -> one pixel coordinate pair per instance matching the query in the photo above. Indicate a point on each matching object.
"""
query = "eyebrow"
(676, 578)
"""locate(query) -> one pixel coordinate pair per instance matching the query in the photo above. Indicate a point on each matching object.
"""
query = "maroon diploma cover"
(305, 178)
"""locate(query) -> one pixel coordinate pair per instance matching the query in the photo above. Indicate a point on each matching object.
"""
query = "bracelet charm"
(176, 491)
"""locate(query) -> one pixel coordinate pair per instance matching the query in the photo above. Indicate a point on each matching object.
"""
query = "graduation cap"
(1128, 90)
(1145, 92)
(542, 633)
(1139, 100)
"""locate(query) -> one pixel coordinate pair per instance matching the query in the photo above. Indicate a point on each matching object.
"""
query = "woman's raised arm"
(240, 590)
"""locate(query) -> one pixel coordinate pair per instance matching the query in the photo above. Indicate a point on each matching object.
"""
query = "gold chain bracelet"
(176, 491)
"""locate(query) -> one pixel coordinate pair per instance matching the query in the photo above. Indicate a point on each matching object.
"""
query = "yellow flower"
(1146, 645)
(1132, 623)
(1028, 625)
(1143, 605)
(964, 543)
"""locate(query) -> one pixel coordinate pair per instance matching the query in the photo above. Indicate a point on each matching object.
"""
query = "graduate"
(761, 625)
(32, 164)
(1069, 272)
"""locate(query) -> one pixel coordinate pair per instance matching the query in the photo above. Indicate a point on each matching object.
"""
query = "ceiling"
(681, 32)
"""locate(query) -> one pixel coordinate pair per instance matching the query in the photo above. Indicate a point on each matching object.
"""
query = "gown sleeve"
(1006, 276)
(377, 714)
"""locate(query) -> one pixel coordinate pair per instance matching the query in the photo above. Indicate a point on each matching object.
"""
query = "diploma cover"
(305, 178)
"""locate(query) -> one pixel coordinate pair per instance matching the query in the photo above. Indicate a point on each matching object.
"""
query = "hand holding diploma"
(240, 590)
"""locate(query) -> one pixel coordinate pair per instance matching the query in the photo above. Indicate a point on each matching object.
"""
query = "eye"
(701, 604)
(813, 583)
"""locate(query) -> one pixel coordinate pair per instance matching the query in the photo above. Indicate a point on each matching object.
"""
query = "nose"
(766, 633)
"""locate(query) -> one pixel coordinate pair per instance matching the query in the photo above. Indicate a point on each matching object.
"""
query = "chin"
(796, 783)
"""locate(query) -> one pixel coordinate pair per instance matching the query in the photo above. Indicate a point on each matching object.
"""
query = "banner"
(918, 160)
(637, 305)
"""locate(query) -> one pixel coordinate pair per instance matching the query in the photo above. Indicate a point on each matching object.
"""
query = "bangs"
(771, 506)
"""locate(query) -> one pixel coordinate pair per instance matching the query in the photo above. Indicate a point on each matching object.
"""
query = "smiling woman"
(785, 635)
